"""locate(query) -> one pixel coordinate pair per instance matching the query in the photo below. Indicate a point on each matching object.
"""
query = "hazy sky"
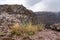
(36, 5)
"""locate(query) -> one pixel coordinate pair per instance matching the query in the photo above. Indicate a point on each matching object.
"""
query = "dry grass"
(26, 28)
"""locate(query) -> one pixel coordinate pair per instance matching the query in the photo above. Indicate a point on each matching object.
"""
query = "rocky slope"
(10, 14)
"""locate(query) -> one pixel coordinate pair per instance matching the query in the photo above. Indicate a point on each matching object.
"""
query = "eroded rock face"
(19, 9)
(15, 12)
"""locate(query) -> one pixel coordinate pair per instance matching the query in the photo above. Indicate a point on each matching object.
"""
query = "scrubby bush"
(26, 28)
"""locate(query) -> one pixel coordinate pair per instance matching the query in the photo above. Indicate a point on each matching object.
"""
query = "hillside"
(19, 23)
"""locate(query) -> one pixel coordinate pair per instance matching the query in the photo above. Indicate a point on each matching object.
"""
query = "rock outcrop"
(10, 14)
(19, 9)
(55, 26)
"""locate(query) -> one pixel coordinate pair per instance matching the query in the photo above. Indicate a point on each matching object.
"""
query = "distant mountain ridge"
(48, 17)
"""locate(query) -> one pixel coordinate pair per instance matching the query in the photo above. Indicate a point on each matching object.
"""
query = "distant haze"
(36, 5)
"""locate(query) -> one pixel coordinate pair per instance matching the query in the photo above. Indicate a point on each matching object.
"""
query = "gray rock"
(55, 26)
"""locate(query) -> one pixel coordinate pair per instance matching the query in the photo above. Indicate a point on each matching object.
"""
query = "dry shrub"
(16, 29)
(26, 28)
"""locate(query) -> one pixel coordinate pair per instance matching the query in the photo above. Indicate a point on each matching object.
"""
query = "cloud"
(47, 5)
(24, 2)
(53, 5)
(38, 7)
(2, 1)
(10, 2)
(31, 2)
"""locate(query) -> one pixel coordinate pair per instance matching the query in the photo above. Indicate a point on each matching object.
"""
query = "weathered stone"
(55, 26)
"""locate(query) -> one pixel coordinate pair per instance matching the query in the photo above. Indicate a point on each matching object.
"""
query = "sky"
(36, 5)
